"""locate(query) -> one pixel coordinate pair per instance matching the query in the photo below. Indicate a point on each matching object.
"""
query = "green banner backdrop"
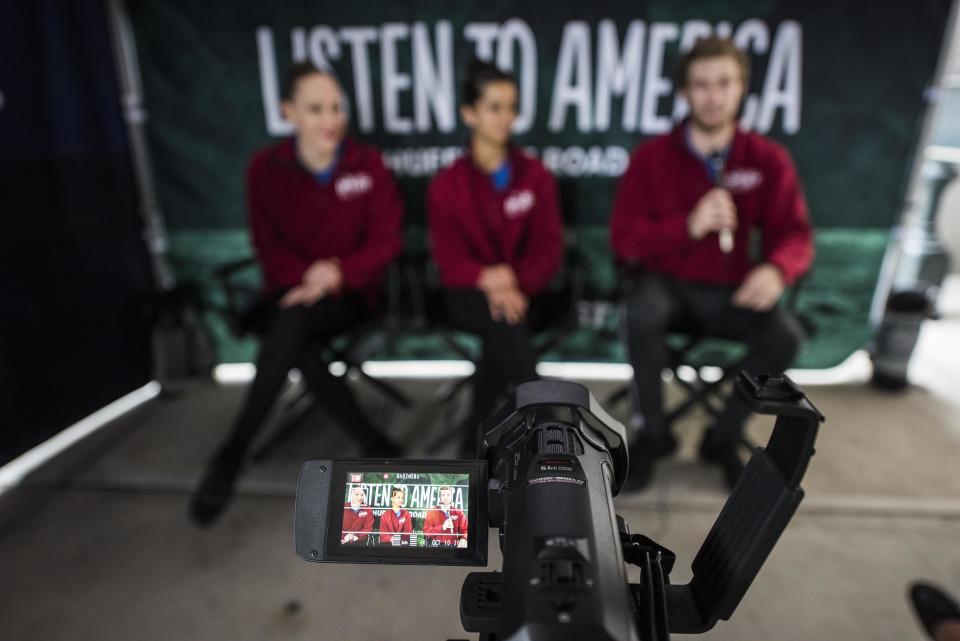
(840, 84)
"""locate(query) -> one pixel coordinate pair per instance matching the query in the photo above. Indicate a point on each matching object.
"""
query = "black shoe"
(933, 606)
(641, 472)
(644, 452)
(665, 445)
(724, 453)
(214, 491)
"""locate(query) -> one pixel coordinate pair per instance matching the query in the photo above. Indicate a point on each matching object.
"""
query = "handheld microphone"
(718, 162)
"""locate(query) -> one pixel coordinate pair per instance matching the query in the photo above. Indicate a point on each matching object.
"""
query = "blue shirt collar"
(705, 160)
(501, 176)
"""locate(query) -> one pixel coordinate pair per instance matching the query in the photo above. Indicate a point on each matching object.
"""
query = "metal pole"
(131, 100)
(913, 218)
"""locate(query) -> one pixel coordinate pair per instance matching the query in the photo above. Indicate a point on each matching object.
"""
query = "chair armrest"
(239, 296)
(793, 292)
(227, 271)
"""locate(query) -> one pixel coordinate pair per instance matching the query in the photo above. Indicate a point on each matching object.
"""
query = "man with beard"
(683, 221)
(445, 525)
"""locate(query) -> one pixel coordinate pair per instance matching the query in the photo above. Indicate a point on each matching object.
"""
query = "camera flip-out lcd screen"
(393, 512)
(406, 509)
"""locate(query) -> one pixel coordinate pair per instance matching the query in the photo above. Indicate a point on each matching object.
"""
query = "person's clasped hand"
(321, 279)
(506, 302)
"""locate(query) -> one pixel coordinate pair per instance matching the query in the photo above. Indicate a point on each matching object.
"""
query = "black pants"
(507, 354)
(295, 337)
(656, 304)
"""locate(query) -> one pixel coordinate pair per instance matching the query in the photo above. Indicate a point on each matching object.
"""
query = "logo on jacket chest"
(519, 203)
(352, 185)
(741, 181)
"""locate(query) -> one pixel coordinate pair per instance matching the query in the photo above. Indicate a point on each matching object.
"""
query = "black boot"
(933, 606)
(648, 446)
(642, 459)
(373, 443)
(715, 449)
(646, 449)
(216, 488)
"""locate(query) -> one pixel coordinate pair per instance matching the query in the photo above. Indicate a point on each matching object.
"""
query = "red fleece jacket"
(473, 226)
(663, 184)
(433, 526)
(295, 220)
(358, 522)
(392, 525)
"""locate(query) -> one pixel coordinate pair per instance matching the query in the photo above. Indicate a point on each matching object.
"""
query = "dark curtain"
(74, 272)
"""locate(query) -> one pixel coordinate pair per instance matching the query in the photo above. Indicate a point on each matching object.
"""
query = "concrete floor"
(96, 544)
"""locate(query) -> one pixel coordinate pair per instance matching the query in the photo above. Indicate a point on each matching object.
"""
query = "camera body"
(557, 460)
(551, 462)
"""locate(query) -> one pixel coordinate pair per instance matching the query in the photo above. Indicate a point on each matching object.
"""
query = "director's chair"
(246, 314)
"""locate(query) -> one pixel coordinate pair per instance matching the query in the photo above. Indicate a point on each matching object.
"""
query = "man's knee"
(286, 332)
(506, 335)
(287, 320)
(467, 309)
(781, 336)
(647, 308)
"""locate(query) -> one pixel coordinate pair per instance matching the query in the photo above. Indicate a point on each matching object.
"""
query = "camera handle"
(753, 518)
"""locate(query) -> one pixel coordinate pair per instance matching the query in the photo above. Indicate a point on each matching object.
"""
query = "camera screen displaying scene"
(406, 509)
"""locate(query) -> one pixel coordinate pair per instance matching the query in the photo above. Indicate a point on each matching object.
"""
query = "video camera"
(551, 462)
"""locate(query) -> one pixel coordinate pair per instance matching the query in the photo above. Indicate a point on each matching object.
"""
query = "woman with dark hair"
(497, 238)
(325, 219)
